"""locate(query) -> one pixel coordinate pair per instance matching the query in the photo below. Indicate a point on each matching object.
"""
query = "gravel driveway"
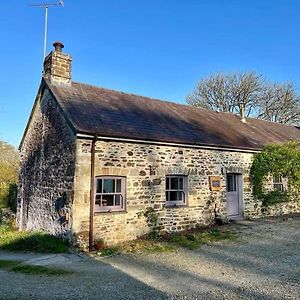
(264, 263)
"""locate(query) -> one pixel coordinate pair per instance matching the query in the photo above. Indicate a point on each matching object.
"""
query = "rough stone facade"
(146, 188)
(47, 170)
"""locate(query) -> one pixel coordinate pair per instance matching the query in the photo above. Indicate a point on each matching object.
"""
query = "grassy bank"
(14, 240)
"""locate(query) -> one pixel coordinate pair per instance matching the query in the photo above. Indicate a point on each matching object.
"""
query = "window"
(231, 183)
(176, 190)
(110, 194)
(278, 183)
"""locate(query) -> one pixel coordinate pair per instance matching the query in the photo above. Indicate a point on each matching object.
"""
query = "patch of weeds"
(18, 267)
(189, 241)
(109, 251)
(147, 245)
(154, 243)
(195, 240)
(5, 264)
(14, 240)
(39, 270)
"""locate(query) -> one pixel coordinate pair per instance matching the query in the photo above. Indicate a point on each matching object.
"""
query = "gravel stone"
(264, 263)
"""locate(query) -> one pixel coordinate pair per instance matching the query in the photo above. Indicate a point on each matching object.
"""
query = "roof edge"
(65, 114)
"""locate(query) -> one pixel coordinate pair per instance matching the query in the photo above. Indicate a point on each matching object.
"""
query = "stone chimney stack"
(57, 66)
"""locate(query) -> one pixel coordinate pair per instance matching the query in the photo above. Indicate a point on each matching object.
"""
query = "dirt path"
(263, 264)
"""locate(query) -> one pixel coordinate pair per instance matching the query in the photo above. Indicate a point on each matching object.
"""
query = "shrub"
(283, 160)
(9, 162)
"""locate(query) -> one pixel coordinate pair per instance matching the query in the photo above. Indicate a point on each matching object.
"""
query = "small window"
(110, 194)
(231, 183)
(176, 190)
(278, 183)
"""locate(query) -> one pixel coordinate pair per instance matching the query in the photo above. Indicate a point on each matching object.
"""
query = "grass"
(18, 267)
(39, 270)
(109, 251)
(195, 240)
(5, 264)
(13, 240)
(170, 242)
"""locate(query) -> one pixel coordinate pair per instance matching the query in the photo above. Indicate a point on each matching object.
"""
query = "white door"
(234, 207)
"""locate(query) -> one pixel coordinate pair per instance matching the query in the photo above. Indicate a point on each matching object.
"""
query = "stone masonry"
(57, 65)
(147, 189)
(47, 171)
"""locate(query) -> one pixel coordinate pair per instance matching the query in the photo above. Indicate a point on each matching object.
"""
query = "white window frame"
(122, 194)
(184, 190)
(278, 183)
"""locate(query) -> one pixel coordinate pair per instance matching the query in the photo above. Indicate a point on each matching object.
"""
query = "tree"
(9, 162)
(246, 94)
(235, 93)
(279, 103)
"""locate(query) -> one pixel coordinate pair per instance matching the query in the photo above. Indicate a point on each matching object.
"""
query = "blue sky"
(157, 48)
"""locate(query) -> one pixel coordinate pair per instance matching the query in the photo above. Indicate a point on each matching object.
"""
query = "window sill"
(110, 212)
(175, 205)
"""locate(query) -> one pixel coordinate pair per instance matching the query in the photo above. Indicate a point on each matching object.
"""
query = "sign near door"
(215, 183)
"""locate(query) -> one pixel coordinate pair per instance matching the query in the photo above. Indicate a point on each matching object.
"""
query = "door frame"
(240, 190)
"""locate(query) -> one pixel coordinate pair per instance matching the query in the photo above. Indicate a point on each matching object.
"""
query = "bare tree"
(246, 94)
(279, 103)
(236, 93)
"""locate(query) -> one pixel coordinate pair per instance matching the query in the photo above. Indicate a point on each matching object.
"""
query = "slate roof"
(93, 110)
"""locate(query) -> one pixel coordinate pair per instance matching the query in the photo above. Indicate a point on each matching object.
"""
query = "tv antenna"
(46, 6)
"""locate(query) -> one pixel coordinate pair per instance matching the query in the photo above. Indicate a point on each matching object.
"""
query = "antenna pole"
(46, 6)
(45, 32)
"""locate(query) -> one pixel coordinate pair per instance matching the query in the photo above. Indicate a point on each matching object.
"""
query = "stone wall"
(47, 171)
(146, 188)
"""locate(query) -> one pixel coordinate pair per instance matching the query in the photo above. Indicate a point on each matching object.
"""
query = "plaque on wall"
(215, 183)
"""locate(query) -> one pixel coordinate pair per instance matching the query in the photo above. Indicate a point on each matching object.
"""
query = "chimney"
(57, 66)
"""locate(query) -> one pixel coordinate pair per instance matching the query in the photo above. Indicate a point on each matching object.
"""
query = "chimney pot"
(58, 46)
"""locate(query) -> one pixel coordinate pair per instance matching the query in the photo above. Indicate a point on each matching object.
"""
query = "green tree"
(9, 164)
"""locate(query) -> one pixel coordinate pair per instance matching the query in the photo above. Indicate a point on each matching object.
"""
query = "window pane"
(174, 183)
(231, 183)
(277, 178)
(118, 200)
(180, 196)
(107, 200)
(278, 187)
(109, 186)
(118, 187)
(181, 183)
(167, 183)
(98, 200)
(99, 186)
(173, 196)
(167, 196)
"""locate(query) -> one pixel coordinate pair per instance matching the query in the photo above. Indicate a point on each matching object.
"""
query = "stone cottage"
(98, 163)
